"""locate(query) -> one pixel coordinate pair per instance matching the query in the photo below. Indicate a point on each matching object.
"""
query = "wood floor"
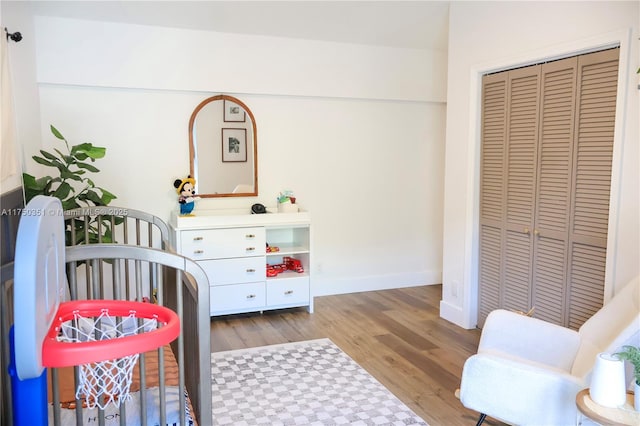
(396, 335)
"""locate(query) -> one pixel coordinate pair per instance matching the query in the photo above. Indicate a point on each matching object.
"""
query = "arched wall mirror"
(223, 148)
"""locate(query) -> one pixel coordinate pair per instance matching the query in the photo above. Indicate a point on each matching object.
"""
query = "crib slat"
(143, 389)
(76, 380)
(181, 381)
(163, 391)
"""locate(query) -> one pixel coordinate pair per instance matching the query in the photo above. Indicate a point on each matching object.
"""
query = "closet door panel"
(555, 148)
(594, 144)
(553, 189)
(517, 272)
(493, 149)
(595, 119)
(522, 135)
(587, 278)
(549, 270)
(492, 186)
(490, 276)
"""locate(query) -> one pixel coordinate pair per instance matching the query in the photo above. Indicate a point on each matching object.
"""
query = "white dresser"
(230, 245)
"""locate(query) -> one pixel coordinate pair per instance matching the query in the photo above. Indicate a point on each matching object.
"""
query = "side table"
(625, 415)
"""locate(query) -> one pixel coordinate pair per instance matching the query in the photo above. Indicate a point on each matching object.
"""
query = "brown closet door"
(593, 152)
(492, 187)
(553, 195)
(547, 142)
(507, 185)
(522, 141)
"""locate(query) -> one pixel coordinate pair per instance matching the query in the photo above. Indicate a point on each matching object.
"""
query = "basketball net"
(104, 382)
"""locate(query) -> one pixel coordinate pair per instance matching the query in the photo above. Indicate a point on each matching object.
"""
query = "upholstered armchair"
(528, 371)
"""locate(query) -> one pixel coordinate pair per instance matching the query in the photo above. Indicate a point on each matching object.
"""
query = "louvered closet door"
(553, 200)
(593, 152)
(492, 186)
(547, 142)
(522, 142)
(508, 176)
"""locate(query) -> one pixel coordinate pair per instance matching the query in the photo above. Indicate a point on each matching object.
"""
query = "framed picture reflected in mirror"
(233, 112)
(234, 145)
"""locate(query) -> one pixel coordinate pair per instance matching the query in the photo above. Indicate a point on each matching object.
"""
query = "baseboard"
(324, 286)
(455, 314)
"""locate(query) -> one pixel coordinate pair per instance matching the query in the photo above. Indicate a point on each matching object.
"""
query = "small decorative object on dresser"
(632, 354)
(186, 189)
(245, 276)
(287, 202)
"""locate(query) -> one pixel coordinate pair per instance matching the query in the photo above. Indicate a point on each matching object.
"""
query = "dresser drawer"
(232, 271)
(288, 291)
(236, 298)
(223, 243)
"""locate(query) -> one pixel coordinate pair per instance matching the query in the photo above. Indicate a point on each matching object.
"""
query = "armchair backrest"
(616, 324)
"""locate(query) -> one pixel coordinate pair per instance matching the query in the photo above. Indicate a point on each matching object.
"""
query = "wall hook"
(13, 36)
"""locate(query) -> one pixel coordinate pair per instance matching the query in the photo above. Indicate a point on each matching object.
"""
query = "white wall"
(15, 17)
(487, 36)
(357, 132)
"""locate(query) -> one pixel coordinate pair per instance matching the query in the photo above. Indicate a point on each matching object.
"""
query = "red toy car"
(274, 270)
(288, 264)
(293, 264)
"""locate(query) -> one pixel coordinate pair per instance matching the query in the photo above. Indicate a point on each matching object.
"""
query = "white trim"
(455, 314)
(616, 165)
(325, 286)
(619, 38)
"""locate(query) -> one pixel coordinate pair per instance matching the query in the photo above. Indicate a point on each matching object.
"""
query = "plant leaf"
(88, 149)
(94, 197)
(62, 191)
(44, 162)
(69, 204)
(88, 166)
(28, 181)
(48, 155)
(56, 133)
(107, 196)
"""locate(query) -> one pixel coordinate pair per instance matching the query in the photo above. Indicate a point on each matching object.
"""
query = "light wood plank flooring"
(396, 335)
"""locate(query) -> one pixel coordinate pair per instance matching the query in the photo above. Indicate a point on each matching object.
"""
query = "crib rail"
(196, 332)
(110, 224)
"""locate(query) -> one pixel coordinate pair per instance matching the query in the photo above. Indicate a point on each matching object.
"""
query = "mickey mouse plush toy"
(187, 194)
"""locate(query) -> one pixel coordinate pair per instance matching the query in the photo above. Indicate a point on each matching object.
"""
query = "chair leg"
(481, 419)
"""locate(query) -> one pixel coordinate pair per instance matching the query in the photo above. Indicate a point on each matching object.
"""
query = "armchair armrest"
(518, 391)
(529, 338)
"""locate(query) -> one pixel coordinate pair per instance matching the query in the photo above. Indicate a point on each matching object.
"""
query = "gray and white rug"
(303, 383)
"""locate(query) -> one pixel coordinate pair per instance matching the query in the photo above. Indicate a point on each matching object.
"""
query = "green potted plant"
(72, 185)
(632, 354)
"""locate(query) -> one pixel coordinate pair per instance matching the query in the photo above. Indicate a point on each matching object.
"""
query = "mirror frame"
(192, 122)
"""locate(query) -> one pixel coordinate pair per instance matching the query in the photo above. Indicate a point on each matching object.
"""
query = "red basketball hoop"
(105, 338)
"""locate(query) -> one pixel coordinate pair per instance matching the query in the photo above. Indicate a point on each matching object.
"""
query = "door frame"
(621, 39)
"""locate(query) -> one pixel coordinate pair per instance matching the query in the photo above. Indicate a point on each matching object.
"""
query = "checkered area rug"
(303, 383)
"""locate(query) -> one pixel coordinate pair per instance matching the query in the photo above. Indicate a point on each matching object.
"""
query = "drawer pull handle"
(198, 251)
(198, 238)
(250, 270)
(288, 292)
(251, 248)
(251, 296)
(250, 236)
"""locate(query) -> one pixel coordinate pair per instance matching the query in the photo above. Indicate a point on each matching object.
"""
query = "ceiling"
(406, 24)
